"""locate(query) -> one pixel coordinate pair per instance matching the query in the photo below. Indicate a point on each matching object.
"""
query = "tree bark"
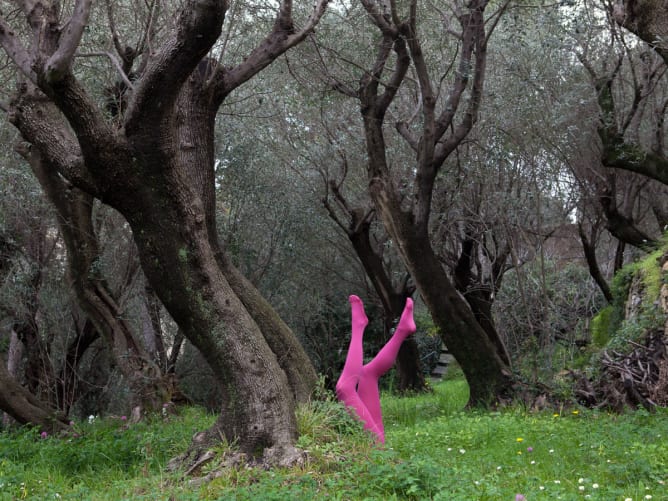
(648, 19)
(258, 408)
(479, 295)
(488, 376)
(196, 124)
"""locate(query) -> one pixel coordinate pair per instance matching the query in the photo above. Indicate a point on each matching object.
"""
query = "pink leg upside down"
(357, 386)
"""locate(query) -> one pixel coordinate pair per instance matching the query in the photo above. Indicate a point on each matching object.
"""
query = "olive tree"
(151, 157)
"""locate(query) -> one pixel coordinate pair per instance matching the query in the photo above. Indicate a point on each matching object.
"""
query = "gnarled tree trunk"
(142, 163)
(487, 374)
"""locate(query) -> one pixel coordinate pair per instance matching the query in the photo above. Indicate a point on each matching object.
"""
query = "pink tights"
(357, 386)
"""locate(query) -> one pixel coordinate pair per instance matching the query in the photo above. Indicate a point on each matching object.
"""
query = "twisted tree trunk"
(154, 163)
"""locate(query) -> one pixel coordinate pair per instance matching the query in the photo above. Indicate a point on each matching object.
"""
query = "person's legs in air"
(367, 385)
(346, 386)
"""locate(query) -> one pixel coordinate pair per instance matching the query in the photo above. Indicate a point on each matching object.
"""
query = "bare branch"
(461, 80)
(60, 61)
(114, 60)
(112, 28)
(402, 129)
(495, 18)
(335, 83)
(282, 37)
(43, 127)
(15, 50)
(380, 19)
(479, 45)
(392, 85)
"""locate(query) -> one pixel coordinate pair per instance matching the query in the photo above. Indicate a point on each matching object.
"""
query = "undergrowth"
(434, 450)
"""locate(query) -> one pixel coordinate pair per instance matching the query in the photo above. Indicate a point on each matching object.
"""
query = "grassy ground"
(434, 450)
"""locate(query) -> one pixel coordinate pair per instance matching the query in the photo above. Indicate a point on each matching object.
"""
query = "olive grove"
(208, 180)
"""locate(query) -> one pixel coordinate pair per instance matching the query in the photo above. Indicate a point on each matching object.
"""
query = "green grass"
(434, 450)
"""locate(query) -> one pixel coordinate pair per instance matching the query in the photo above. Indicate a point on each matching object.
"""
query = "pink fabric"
(357, 386)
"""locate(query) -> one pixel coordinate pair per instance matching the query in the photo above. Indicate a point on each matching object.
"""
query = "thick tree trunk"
(144, 164)
(481, 307)
(195, 133)
(479, 295)
(152, 329)
(38, 371)
(168, 222)
(291, 355)
(648, 19)
(410, 377)
(14, 356)
(488, 376)
(258, 406)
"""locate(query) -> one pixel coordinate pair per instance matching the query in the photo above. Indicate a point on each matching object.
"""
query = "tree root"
(201, 454)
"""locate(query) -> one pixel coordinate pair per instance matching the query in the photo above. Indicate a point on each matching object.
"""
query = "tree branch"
(615, 151)
(646, 19)
(282, 37)
(589, 248)
(15, 50)
(398, 75)
(198, 26)
(380, 19)
(475, 98)
(115, 62)
(112, 27)
(42, 126)
(60, 61)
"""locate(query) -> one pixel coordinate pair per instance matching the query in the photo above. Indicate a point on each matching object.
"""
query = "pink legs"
(357, 387)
